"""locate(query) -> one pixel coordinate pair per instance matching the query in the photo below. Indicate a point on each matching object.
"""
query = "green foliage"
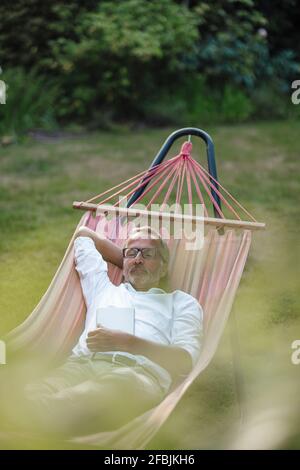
(269, 102)
(123, 53)
(236, 105)
(281, 70)
(165, 109)
(199, 105)
(229, 40)
(30, 28)
(30, 102)
(162, 62)
(106, 56)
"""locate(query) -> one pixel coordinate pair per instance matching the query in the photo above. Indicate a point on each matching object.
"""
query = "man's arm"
(110, 252)
(176, 360)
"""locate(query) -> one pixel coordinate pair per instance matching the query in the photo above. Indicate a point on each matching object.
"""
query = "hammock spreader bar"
(105, 209)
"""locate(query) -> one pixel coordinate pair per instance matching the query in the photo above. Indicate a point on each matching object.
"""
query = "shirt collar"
(153, 290)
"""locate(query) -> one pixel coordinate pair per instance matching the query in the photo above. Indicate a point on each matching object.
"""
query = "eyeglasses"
(147, 253)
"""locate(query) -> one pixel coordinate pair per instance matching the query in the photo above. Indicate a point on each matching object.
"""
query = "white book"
(116, 318)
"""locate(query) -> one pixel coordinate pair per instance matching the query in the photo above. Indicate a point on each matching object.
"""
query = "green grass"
(259, 165)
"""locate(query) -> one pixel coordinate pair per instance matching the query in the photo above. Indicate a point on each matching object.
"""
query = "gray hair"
(148, 232)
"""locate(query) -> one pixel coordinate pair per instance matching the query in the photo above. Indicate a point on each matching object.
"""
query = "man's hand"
(176, 360)
(104, 339)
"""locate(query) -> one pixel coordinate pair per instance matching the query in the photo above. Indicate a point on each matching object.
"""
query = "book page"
(116, 318)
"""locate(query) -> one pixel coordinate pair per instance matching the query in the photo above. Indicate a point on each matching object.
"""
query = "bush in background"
(30, 102)
(160, 62)
(125, 52)
(230, 39)
(197, 104)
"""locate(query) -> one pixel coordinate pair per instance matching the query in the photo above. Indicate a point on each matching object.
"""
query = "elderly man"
(113, 375)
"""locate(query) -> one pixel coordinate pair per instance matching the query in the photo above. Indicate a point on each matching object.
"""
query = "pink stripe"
(197, 188)
(157, 193)
(188, 182)
(163, 170)
(175, 177)
(154, 182)
(180, 186)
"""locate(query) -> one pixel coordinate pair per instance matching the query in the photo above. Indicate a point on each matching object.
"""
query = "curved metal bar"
(212, 168)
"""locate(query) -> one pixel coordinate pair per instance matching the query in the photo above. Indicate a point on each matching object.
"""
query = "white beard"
(143, 278)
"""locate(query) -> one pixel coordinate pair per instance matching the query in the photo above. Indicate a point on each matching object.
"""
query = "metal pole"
(211, 161)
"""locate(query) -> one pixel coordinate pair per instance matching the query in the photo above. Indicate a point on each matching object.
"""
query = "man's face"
(140, 272)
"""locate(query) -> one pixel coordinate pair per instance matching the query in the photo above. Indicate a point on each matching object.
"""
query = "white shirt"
(166, 318)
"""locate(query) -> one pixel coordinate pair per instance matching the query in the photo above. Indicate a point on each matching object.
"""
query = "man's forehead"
(142, 242)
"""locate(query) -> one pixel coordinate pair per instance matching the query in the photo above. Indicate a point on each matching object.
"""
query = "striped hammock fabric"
(211, 274)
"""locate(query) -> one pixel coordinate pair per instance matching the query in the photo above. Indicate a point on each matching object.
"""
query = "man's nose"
(139, 258)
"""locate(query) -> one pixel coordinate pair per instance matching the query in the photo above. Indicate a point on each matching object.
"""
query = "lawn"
(259, 165)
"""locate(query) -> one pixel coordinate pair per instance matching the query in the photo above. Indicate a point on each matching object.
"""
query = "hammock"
(211, 274)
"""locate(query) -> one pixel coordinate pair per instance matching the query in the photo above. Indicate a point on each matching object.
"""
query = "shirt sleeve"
(91, 267)
(187, 328)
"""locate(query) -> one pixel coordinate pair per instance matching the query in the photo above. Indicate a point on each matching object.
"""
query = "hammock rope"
(184, 175)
